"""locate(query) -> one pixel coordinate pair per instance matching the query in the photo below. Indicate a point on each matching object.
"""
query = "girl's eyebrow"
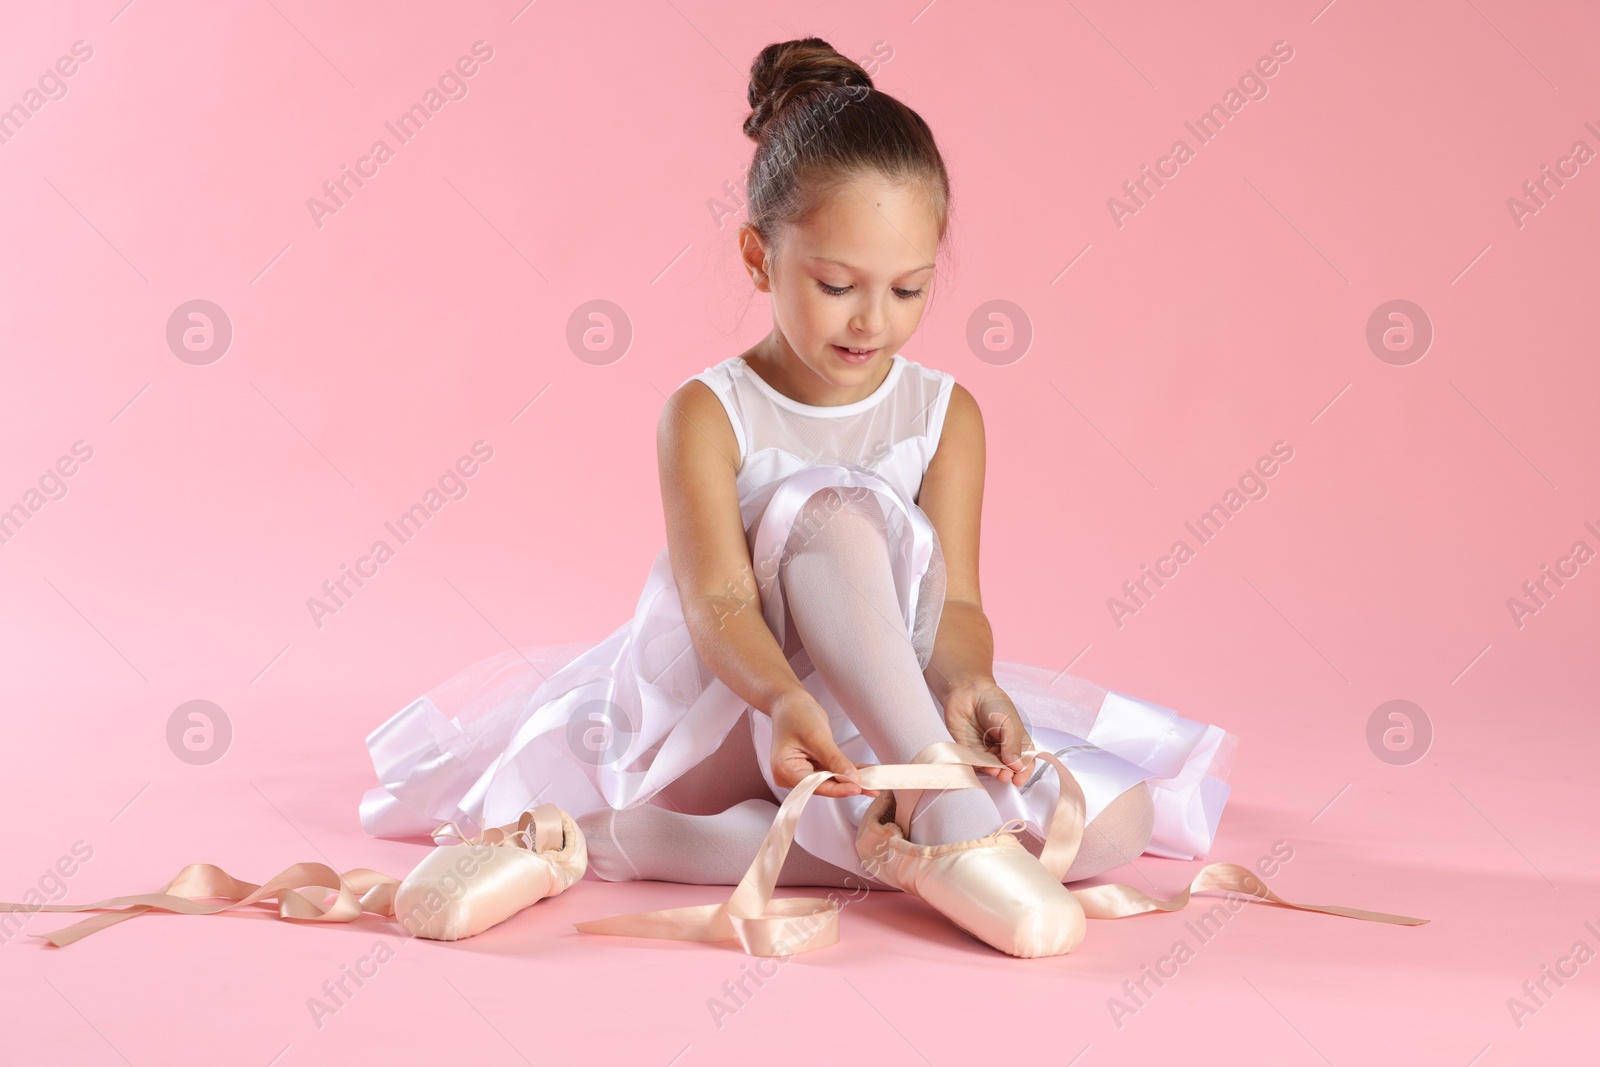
(847, 266)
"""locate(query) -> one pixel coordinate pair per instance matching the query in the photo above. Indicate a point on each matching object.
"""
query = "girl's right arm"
(698, 457)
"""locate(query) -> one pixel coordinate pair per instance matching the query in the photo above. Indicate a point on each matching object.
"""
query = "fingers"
(1016, 771)
(830, 787)
(1007, 737)
(1011, 744)
(789, 771)
(831, 759)
(785, 775)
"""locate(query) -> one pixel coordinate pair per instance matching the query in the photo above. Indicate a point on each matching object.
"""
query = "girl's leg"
(839, 592)
(668, 846)
(725, 778)
(704, 828)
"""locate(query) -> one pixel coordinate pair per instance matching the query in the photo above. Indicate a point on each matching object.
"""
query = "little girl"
(815, 609)
(817, 605)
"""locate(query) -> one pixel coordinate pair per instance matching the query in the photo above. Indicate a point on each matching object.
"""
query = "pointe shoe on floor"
(456, 891)
(992, 887)
(462, 890)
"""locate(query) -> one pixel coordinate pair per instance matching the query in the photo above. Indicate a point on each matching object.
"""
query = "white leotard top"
(892, 432)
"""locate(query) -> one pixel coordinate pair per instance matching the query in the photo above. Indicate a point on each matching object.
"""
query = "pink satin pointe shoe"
(456, 891)
(462, 890)
(992, 887)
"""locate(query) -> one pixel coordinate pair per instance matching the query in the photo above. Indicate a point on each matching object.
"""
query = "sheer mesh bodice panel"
(893, 432)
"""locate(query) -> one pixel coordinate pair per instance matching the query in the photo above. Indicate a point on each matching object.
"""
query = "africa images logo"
(451, 85)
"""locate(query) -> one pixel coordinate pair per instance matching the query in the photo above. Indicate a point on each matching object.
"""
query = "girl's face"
(857, 275)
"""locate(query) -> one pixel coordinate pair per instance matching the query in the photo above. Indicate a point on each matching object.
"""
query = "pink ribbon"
(789, 925)
(359, 889)
(762, 925)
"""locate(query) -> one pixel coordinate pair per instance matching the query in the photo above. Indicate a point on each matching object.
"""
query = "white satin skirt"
(590, 726)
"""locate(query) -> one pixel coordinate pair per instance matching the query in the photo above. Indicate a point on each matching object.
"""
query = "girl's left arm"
(952, 497)
(960, 673)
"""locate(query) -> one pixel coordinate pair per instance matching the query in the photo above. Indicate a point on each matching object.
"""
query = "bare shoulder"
(698, 460)
(694, 428)
(963, 416)
(961, 437)
(952, 494)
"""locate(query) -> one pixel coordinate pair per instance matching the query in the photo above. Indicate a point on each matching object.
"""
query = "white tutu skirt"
(590, 726)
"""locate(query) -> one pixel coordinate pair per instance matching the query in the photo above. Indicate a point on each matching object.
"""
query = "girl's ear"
(754, 256)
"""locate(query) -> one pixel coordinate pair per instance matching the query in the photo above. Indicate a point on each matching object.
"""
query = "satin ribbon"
(540, 823)
(790, 925)
(359, 889)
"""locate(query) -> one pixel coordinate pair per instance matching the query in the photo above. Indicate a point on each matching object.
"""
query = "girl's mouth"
(855, 356)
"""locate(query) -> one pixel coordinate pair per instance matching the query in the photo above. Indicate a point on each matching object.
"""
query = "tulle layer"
(586, 726)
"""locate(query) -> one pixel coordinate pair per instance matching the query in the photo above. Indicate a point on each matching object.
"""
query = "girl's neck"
(775, 363)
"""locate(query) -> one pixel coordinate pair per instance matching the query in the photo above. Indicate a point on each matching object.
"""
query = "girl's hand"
(802, 744)
(981, 716)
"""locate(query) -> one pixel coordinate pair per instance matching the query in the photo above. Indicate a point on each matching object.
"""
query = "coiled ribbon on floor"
(359, 889)
(788, 925)
(764, 926)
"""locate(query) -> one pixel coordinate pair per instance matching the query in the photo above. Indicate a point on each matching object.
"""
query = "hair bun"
(789, 69)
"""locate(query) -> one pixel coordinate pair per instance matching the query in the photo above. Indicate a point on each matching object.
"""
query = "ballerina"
(817, 605)
(806, 693)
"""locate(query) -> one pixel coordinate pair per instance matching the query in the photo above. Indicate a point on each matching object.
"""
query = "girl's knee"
(834, 498)
(837, 516)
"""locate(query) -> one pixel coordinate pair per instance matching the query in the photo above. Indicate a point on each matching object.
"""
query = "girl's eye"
(840, 290)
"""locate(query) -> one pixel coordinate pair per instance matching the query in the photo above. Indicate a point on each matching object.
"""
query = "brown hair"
(817, 120)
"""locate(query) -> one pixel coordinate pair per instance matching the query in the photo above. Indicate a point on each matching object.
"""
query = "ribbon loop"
(789, 925)
(762, 925)
(357, 890)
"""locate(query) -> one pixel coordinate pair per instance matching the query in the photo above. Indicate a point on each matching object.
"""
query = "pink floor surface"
(1494, 848)
(1361, 265)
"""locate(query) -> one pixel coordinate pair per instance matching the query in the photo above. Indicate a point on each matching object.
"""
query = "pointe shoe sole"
(459, 891)
(992, 887)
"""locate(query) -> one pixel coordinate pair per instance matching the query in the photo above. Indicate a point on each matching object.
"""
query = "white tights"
(705, 827)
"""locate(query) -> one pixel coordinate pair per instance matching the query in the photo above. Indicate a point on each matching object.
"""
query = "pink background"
(583, 163)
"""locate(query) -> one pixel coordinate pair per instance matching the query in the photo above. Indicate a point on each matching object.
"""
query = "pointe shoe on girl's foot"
(461, 890)
(992, 887)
